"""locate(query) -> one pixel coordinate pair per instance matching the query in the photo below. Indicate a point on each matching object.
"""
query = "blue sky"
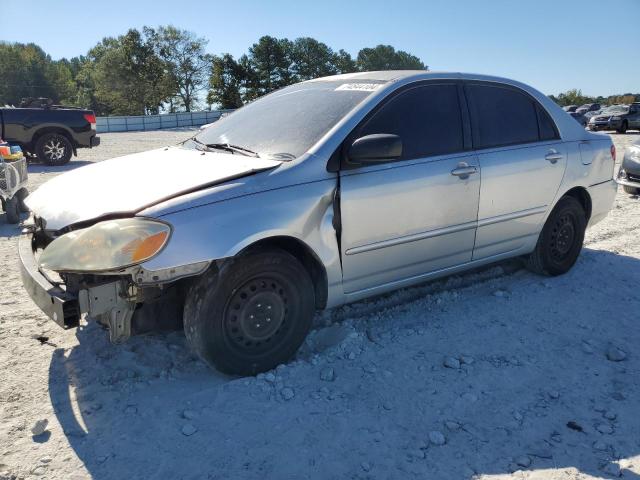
(553, 45)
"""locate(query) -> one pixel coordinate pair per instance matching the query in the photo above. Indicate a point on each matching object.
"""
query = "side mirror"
(380, 147)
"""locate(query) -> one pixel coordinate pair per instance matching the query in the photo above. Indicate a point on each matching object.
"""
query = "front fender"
(222, 229)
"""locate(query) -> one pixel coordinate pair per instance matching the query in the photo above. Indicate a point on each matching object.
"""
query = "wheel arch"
(52, 129)
(582, 195)
(305, 254)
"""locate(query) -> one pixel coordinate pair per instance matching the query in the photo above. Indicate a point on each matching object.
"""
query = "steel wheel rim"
(255, 318)
(563, 237)
(54, 149)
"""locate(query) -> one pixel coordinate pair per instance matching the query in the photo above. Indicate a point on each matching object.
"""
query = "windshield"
(616, 109)
(286, 123)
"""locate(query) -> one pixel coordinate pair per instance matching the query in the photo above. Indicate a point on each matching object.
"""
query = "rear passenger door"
(522, 161)
(416, 214)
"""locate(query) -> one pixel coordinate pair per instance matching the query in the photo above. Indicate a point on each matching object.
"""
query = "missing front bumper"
(59, 305)
(112, 302)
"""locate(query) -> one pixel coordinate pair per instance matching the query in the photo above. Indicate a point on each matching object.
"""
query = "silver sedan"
(316, 195)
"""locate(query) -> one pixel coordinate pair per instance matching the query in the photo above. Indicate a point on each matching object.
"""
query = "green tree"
(226, 82)
(124, 76)
(186, 60)
(385, 57)
(269, 60)
(25, 71)
(344, 62)
(311, 59)
(573, 97)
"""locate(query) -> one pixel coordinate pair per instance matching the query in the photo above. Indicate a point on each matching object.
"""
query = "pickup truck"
(52, 133)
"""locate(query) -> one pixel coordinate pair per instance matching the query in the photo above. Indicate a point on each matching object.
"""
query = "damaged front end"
(127, 299)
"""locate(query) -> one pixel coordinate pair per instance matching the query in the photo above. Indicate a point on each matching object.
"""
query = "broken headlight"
(107, 245)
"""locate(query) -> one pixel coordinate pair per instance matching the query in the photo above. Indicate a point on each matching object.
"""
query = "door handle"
(463, 170)
(553, 156)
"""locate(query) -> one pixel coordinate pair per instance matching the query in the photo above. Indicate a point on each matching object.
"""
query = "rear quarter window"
(547, 128)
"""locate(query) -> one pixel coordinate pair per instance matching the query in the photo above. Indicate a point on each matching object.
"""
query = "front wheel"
(561, 239)
(54, 149)
(623, 128)
(251, 314)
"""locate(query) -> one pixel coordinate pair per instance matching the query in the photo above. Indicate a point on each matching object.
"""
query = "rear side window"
(426, 118)
(502, 116)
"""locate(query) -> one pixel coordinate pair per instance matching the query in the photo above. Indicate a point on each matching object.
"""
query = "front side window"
(427, 119)
(501, 116)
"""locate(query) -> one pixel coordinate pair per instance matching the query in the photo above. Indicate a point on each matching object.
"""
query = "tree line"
(575, 97)
(168, 69)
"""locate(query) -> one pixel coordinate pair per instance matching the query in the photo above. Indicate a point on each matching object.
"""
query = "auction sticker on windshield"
(366, 87)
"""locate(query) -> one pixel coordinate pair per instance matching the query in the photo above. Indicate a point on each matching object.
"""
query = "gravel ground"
(492, 374)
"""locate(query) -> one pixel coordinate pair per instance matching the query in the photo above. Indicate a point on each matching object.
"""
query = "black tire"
(561, 239)
(631, 190)
(21, 195)
(623, 128)
(227, 310)
(54, 149)
(12, 211)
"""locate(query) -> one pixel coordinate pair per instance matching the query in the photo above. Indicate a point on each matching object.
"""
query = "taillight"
(91, 118)
(613, 153)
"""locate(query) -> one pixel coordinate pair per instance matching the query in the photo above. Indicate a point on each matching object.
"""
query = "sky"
(553, 45)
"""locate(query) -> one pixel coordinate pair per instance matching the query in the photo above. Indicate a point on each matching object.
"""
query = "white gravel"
(545, 379)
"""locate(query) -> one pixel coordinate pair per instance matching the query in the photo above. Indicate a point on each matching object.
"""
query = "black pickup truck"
(52, 133)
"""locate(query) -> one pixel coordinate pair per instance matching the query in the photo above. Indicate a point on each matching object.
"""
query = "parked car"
(322, 193)
(618, 117)
(592, 113)
(570, 108)
(52, 133)
(580, 118)
(588, 107)
(629, 174)
(13, 182)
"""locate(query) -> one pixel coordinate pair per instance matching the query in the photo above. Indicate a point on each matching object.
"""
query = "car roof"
(386, 76)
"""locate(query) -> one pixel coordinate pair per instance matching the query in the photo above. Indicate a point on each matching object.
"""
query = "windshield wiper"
(234, 149)
(228, 147)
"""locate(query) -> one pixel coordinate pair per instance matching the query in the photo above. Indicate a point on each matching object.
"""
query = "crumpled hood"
(134, 182)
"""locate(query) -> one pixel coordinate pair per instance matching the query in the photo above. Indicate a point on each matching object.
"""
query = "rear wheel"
(631, 190)
(11, 210)
(561, 239)
(54, 149)
(252, 314)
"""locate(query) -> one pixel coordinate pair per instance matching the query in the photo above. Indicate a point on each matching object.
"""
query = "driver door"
(417, 214)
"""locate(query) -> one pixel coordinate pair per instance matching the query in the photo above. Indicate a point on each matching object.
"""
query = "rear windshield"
(286, 123)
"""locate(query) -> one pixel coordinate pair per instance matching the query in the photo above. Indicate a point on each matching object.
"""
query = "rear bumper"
(86, 139)
(55, 302)
(602, 197)
(604, 126)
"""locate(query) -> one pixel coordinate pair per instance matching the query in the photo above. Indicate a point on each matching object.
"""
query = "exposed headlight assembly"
(108, 245)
